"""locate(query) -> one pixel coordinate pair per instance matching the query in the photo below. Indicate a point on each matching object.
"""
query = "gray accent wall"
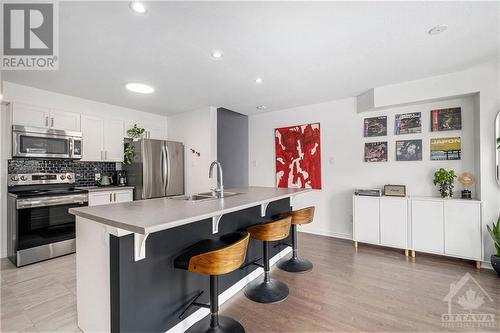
(232, 147)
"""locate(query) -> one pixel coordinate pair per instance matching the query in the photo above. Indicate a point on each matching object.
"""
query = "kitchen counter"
(153, 215)
(104, 188)
(126, 279)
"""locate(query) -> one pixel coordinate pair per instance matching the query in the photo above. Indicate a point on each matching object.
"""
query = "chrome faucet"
(219, 190)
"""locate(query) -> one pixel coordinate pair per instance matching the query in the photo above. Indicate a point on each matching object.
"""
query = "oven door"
(42, 223)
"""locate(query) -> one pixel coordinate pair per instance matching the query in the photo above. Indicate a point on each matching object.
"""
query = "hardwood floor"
(368, 289)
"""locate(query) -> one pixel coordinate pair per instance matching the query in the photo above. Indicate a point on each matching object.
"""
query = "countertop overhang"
(153, 215)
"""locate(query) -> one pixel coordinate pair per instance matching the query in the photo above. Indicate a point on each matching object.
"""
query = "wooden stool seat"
(296, 264)
(269, 290)
(214, 258)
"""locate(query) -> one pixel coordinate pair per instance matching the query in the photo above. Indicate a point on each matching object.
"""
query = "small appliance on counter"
(121, 178)
(105, 180)
(368, 192)
(395, 190)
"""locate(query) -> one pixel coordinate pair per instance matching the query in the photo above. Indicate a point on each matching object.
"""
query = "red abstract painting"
(298, 156)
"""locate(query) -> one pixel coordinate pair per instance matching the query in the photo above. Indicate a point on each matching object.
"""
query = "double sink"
(203, 196)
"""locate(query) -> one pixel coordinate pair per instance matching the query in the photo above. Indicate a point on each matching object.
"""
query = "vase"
(446, 191)
(495, 262)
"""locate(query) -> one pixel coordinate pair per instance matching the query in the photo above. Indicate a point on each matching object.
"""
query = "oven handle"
(51, 201)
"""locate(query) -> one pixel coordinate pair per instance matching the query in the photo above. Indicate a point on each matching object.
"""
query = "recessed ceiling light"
(140, 88)
(138, 7)
(261, 107)
(438, 29)
(216, 54)
(258, 80)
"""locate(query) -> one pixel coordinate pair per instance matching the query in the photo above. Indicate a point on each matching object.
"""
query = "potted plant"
(445, 178)
(133, 133)
(494, 231)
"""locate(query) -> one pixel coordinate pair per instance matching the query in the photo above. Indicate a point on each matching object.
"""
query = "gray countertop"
(105, 188)
(147, 216)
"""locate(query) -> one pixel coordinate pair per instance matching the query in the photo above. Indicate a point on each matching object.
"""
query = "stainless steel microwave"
(45, 143)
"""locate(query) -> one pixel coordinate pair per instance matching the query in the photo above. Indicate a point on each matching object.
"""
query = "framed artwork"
(449, 148)
(446, 119)
(376, 151)
(298, 156)
(408, 123)
(409, 150)
(375, 126)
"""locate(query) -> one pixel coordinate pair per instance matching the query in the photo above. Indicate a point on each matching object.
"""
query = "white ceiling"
(305, 52)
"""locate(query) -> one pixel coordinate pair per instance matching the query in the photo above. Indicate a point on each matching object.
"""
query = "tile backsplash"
(84, 171)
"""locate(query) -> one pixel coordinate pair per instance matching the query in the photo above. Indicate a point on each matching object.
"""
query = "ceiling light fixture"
(258, 80)
(140, 88)
(138, 7)
(438, 29)
(216, 54)
(261, 107)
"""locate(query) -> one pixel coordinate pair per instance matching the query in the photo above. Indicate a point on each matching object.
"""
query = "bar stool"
(296, 264)
(214, 258)
(269, 290)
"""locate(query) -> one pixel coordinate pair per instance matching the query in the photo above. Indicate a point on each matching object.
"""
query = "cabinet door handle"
(114, 197)
(47, 121)
(101, 156)
(52, 122)
(105, 154)
(111, 197)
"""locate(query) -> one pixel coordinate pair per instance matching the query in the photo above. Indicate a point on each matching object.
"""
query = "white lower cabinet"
(450, 227)
(427, 226)
(109, 197)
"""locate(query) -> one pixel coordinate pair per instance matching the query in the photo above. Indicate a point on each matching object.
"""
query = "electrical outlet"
(97, 176)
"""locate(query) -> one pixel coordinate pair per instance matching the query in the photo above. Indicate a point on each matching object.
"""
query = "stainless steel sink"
(203, 196)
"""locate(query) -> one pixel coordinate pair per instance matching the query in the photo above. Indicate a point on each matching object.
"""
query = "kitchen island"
(126, 280)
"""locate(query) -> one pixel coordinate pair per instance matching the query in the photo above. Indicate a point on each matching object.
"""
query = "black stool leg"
(295, 264)
(216, 323)
(269, 290)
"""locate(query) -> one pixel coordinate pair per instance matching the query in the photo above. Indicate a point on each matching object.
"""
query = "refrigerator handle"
(168, 168)
(164, 166)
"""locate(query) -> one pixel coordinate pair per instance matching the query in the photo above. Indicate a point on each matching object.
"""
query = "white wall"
(197, 130)
(19, 93)
(342, 149)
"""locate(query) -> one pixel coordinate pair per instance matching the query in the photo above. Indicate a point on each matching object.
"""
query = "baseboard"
(328, 234)
(233, 290)
(486, 264)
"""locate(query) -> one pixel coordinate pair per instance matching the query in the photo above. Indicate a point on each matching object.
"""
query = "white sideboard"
(450, 227)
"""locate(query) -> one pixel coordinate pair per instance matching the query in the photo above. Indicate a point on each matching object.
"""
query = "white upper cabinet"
(30, 115)
(113, 140)
(102, 139)
(37, 116)
(64, 120)
(92, 132)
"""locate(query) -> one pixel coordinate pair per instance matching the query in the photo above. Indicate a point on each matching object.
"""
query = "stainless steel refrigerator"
(157, 169)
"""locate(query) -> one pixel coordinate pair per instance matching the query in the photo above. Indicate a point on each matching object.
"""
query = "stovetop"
(39, 192)
(42, 184)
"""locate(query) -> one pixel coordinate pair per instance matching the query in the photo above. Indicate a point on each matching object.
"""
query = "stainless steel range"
(39, 225)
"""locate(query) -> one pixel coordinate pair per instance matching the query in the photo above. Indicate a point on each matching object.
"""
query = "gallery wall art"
(408, 123)
(376, 151)
(446, 119)
(298, 156)
(449, 148)
(375, 126)
(409, 150)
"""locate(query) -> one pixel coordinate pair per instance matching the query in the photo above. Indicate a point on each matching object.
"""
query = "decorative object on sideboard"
(134, 133)
(445, 179)
(368, 192)
(195, 152)
(298, 156)
(467, 180)
(409, 150)
(376, 151)
(449, 148)
(408, 123)
(375, 126)
(446, 119)
(494, 232)
(395, 190)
